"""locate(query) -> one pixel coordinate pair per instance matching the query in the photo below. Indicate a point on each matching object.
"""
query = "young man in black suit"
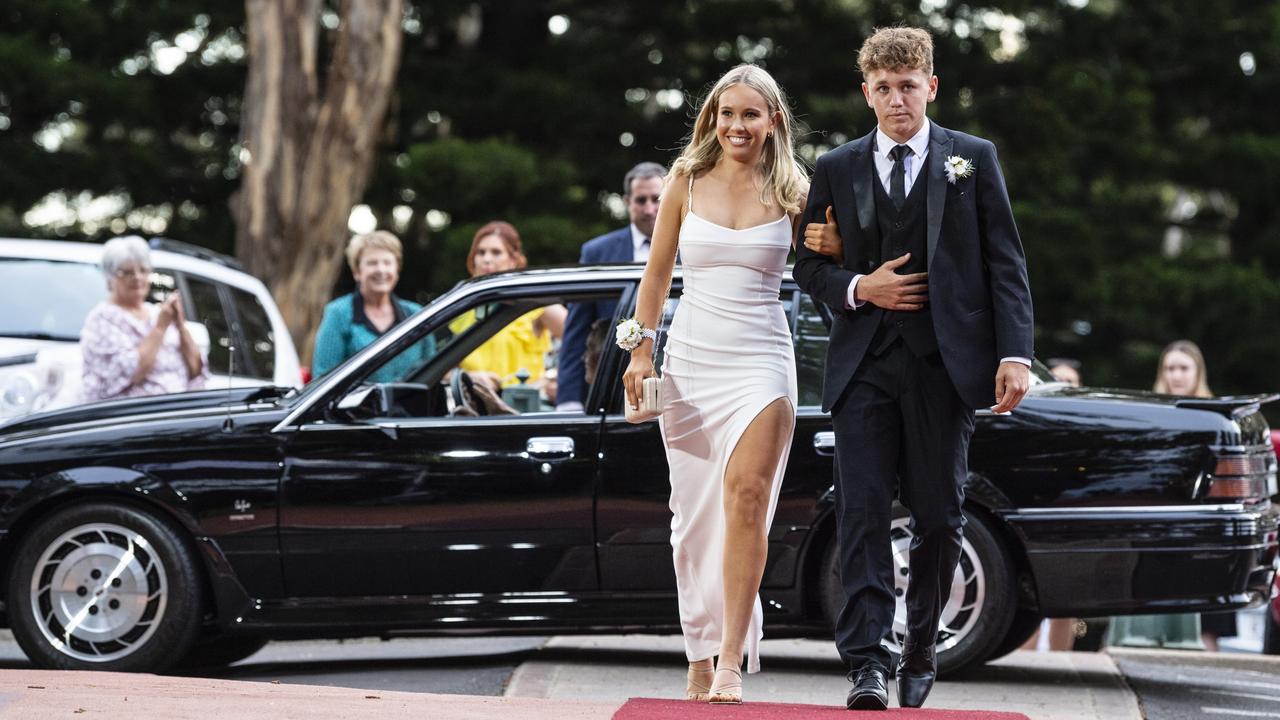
(642, 190)
(932, 320)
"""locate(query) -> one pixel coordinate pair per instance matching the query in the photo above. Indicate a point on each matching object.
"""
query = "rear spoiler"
(1233, 407)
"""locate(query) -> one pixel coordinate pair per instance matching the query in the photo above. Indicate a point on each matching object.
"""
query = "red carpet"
(649, 709)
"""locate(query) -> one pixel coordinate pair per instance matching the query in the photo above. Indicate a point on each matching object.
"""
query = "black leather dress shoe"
(917, 668)
(870, 689)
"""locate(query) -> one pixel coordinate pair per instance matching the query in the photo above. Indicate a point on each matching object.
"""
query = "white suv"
(47, 288)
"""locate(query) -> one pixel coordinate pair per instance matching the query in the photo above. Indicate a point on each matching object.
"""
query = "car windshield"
(47, 300)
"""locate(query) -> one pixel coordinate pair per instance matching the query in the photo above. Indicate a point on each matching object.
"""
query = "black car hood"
(140, 406)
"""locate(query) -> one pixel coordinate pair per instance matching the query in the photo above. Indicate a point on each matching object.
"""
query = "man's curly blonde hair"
(897, 48)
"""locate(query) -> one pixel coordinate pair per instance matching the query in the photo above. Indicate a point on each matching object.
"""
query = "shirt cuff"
(1024, 361)
(572, 406)
(851, 301)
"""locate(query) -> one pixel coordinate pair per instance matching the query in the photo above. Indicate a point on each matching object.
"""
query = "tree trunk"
(306, 155)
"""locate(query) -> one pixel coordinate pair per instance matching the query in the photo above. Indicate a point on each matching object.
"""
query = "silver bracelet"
(630, 333)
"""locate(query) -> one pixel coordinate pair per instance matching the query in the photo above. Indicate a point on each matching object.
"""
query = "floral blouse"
(109, 348)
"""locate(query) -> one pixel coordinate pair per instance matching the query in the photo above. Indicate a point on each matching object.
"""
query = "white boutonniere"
(629, 334)
(957, 167)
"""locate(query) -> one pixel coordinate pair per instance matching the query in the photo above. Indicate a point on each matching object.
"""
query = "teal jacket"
(346, 330)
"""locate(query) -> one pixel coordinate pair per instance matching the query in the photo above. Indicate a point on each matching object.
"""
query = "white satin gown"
(728, 356)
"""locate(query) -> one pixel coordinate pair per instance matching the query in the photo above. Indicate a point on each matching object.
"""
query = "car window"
(255, 329)
(811, 339)
(48, 299)
(496, 358)
(207, 310)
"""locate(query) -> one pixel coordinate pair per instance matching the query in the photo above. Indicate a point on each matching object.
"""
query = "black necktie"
(898, 175)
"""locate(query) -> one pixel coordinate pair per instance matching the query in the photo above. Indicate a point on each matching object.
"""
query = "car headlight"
(18, 392)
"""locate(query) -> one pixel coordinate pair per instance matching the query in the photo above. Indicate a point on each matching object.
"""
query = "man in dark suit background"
(932, 320)
(642, 188)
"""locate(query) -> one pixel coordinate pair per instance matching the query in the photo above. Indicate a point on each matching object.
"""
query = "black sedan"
(386, 499)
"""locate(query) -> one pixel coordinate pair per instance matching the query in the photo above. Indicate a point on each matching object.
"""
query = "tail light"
(1248, 477)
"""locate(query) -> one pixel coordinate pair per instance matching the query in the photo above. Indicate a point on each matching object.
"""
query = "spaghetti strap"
(690, 192)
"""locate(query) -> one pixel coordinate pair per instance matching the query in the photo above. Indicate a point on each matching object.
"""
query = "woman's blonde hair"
(784, 177)
(1192, 351)
(376, 240)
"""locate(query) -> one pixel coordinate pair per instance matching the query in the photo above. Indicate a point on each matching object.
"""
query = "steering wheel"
(462, 388)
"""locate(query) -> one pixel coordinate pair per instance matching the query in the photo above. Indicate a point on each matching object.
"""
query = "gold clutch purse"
(650, 405)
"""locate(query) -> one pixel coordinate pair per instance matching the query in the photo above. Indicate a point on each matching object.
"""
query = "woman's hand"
(641, 367)
(170, 311)
(824, 238)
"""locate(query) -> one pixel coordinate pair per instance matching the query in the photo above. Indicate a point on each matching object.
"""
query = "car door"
(634, 517)
(414, 500)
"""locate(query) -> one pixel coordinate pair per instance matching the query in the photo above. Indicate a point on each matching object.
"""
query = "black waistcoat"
(901, 231)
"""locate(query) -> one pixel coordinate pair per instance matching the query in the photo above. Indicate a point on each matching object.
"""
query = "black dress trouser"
(900, 424)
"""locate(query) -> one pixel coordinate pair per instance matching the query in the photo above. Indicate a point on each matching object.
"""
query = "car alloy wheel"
(980, 606)
(964, 602)
(99, 592)
(104, 587)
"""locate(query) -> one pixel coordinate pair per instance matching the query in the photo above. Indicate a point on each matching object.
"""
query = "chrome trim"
(824, 443)
(1243, 449)
(428, 423)
(548, 447)
(1131, 510)
(1144, 550)
(318, 427)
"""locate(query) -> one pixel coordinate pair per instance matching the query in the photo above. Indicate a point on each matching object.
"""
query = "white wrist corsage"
(630, 333)
(957, 167)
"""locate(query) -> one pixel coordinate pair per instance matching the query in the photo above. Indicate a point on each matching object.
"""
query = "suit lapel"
(862, 171)
(940, 144)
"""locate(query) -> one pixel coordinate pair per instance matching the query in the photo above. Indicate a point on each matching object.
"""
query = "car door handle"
(545, 448)
(824, 443)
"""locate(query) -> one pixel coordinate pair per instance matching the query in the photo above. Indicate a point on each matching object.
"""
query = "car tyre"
(104, 586)
(1270, 633)
(983, 595)
(1024, 625)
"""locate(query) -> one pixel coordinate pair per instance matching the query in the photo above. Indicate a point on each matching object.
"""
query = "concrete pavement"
(572, 678)
(27, 694)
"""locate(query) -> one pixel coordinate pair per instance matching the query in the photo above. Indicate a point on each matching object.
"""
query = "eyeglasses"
(123, 273)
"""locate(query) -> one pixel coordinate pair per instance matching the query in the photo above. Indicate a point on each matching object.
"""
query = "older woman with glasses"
(131, 347)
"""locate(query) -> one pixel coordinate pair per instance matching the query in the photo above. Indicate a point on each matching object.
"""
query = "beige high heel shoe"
(698, 681)
(726, 689)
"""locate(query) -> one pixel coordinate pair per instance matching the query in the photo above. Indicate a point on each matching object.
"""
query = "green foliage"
(1229, 310)
(1106, 118)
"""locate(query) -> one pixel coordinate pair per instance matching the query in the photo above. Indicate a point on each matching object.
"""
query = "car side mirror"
(363, 403)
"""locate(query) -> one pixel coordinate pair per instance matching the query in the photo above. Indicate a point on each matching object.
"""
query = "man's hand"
(886, 289)
(824, 238)
(1012, 381)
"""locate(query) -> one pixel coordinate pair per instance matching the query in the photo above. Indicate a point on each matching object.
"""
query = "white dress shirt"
(913, 163)
(639, 245)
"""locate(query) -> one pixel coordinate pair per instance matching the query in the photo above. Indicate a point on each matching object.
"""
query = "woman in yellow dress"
(524, 343)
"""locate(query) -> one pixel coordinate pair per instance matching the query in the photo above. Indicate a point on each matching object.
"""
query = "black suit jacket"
(612, 247)
(978, 291)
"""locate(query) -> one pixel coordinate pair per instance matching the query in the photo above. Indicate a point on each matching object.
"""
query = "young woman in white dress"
(731, 206)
